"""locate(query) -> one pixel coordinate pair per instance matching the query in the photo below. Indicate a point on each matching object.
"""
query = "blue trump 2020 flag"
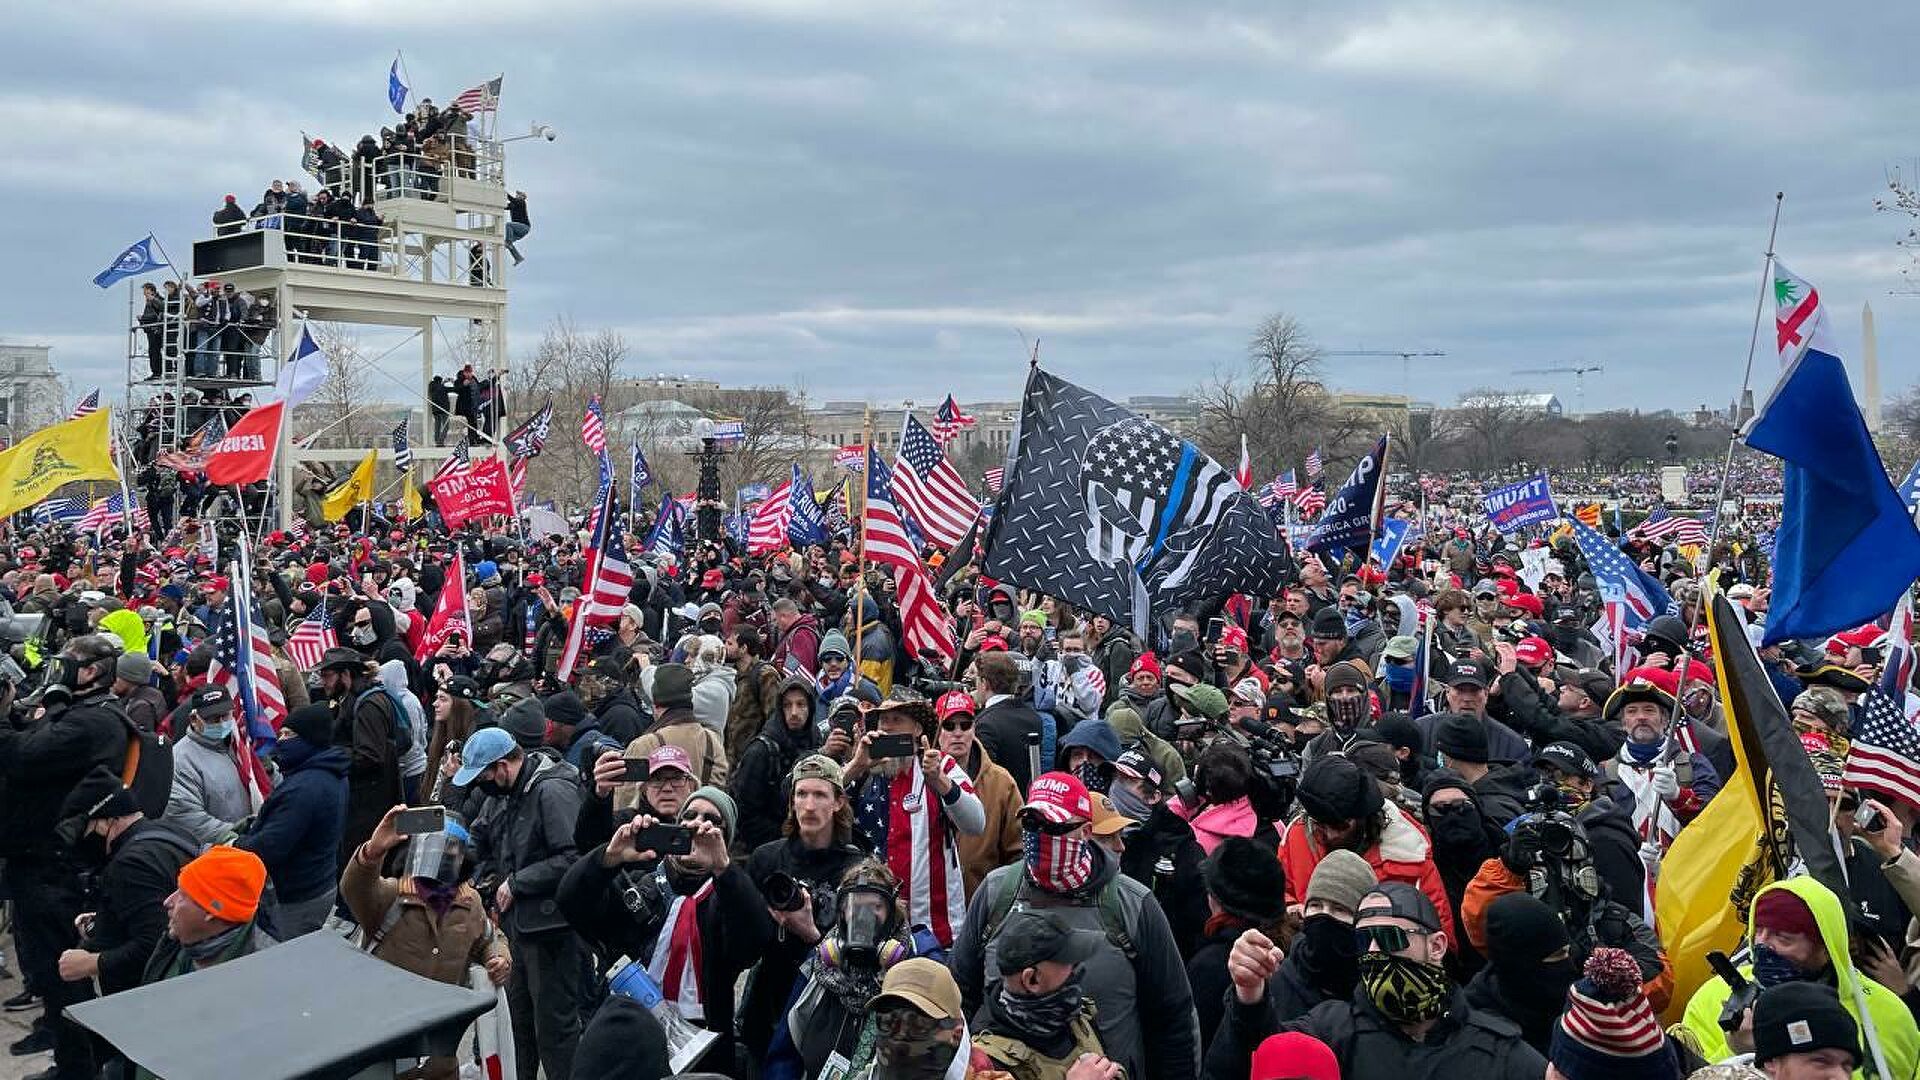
(396, 90)
(136, 260)
(1847, 546)
(1353, 517)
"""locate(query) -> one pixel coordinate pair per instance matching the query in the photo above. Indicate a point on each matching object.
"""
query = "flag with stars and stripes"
(1117, 515)
(243, 660)
(1280, 489)
(87, 405)
(527, 440)
(459, 460)
(1664, 527)
(995, 479)
(1310, 499)
(767, 529)
(923, 622)
(1644, 596)
(298, 530)
(951, 420)
(1885, 755)
(402, 451)
(929, 488)
(65, 510)
(312, 638)
(106, 512)
(1316, 465)
(593, 427)
(605, 587)
(192, 455)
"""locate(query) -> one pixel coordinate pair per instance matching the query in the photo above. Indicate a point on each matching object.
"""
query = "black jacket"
(759, 779)
(1465, 1045)
(364, 726)
(1616, 849)
(1163, 855)
(130, 913)
(1207, 974)
(769, 993)
(1502, 793)
(1002, 728)
(1525, 706)
(43, 761)
(622, 716)
(527, 840)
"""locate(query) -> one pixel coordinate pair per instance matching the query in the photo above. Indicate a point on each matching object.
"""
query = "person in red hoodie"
(1341, 807)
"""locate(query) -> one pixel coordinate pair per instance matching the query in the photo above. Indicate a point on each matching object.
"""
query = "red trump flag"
(245, 455)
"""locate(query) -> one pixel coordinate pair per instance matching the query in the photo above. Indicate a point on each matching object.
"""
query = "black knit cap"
(1247, 880)
(1799, 1018)
(1461, 737)
(1329, 624)
(313, 723)
(1522, 931)
(1335, 788)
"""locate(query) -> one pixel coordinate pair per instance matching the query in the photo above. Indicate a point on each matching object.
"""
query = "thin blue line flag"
(136, 260)
(1847, 546)
(396, 90)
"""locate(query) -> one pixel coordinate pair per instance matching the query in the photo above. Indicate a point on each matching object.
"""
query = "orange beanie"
(226, 882)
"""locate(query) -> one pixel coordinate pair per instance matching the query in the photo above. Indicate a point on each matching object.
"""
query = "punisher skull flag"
(1113, 513)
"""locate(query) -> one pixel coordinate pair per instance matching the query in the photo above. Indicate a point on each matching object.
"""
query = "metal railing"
(201, 341)
(416, 173)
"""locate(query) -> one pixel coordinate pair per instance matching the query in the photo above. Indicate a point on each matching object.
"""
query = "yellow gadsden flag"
(73, 450)
(410, 500)
(357, 489)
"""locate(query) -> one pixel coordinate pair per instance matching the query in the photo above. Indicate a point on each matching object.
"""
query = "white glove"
(1650, 857)
(1665, 783)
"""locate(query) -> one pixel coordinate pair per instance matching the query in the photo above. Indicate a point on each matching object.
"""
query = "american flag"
(192, 455)
(87, 405)
(929, 488)
(593, 428)
(517, 480)
(606, 586)
(995, 478)
(243, 660)
(1644, 596)
(106, 512)
(1315, 464)
(1280, 489)
(767, 531)
(311, 639)
(459, 460)
(1310, 499)
(68, 510)
(402, 452)
(1433, 485)
(1664, 527)
(923, 622)
(1885, 755)
(527, 440)
(950, 420)
(298, 530)
(482, 98)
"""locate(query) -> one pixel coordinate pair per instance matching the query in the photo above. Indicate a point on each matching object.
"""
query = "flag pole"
(860, 593)
(126, 497)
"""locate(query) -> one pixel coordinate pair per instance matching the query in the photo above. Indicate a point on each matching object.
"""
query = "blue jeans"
(516, 230)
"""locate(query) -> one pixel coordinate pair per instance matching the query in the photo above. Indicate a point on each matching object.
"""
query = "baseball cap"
(481, 750)
(1567, 758)
(1029, 937)
(1232, 637)
(811, 767)
(213, 699)
(953, 703)
(1403, 901)
(1058, 797)
(1106, 820)
(1467, 673)
(1401, 648)
(463, 687)
(669, 757)
(1533, 650)
(1137, 764)
(922, 984)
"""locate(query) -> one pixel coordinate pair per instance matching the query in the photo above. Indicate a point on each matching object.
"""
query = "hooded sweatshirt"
(1892, 1023)
(393, 676)
(759, 780)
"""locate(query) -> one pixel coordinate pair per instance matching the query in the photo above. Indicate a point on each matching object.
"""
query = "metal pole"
(860, 593)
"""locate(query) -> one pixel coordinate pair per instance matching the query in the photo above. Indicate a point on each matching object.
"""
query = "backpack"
(1005, 898)
(401, 731)
(147, 771)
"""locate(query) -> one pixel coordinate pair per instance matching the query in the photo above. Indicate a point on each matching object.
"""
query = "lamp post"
(707, 504)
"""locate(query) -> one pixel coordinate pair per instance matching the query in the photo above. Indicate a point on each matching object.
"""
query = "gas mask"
(865, 938)
(1552, 850)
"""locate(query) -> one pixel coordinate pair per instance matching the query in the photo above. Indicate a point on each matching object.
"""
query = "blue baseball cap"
(482, 749)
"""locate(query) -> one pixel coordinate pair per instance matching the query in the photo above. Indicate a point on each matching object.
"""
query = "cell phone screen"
(421, 819)
(637, 769)
(664, 840)
(891, 746)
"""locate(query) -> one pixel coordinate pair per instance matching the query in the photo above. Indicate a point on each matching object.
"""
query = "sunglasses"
(957, 725)
(1052, 828)
(909, 1023)
(1390, 939)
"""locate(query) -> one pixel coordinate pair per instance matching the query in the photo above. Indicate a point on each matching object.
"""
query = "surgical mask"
(1045, 1014)
(216, 729)
(1405, 990)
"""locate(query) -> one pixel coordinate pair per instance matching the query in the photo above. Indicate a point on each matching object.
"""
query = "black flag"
(1115, 514)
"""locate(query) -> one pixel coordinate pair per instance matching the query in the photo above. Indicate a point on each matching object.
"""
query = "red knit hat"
(1293, 1055)
(1609, 1029)
(1783, 910)
(1146, 661)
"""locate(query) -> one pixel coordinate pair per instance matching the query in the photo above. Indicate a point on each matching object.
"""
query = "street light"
(538, 131)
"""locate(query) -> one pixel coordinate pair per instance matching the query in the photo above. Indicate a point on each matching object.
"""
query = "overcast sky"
(872, 198)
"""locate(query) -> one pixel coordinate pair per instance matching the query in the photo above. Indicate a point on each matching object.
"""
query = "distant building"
(1386, 411)
(1543, 404)
(30, 393)
(843, 423)
(1177, 413)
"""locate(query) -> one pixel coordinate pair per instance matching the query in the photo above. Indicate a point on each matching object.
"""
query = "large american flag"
(1644, 596)
(243, 660)
(1281, 488)
(923, 622)
(1315, 464)
(87, 405)
(767, 530)
(593, 428)
(402, 450)
(527, 440)
(106, 512)
(1665, 527)
(605, 589)
(1310, 499)
(312, 638)
(1885, 755)
(459, 460)
(929, 488)
(482, 98)
(950, 420)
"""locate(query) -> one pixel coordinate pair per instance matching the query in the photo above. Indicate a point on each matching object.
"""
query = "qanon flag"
(1353, 515)
(245, 454)
(1115, 514)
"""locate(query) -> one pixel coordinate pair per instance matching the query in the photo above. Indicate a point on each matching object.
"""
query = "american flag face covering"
(1058, 864)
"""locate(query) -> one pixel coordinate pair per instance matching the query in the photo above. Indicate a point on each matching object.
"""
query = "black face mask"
(1329, 953)
(1538, 986)
(1456, 827)
(491, 788)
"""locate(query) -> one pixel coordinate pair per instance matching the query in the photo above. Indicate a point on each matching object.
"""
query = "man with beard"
(786, 735)
(1114, 652)
(1161, 851)
(365, 723)
(1289, 637)
(1530, 965)
(1650, 767)
(999, 842)
(1075, 880)
(1323, 965)
(1042, 1022)
(1406, 1018)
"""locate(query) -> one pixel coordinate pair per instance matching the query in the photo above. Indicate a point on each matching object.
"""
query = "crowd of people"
(1262, 842)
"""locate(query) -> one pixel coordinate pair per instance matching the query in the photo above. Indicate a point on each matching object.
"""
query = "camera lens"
(781, 891)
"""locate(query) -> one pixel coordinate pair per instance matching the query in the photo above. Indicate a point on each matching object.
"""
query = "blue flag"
(1392, 537)
(1910, 490)
(396, 90)
(136, 260)
(808, 525)
(1516, 506)
(1847, 547)
(1643, 594)
(1353, 516)
(669, 529)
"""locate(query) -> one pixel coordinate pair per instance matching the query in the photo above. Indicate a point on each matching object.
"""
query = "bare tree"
(1487, 419)
(334, 405)
(1276, 400)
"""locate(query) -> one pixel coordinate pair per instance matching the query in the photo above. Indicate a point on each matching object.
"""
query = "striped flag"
(459, 460)
(243, 660)
(482, 98)
(929, 488)
(593, 427)
(923, 622)
(1311, 500)
(1282, 488)
(517, 480)
(1244, 474)
(106, 512)
(67, 510)
(311, 639)
(1316, 465)
(767, 531)
(950, 420)
(607, 585)
(1588, 514)
(298, 530)
(1664, 527)
(996, 478)
(527, 440)
(402, 451)
(1885, 756)
(87, 405)
(194, 452)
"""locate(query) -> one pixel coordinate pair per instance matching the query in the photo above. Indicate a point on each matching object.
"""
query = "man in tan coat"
(1000, 842)
(675, 725)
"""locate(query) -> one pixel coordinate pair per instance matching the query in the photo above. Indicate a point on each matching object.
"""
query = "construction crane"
(1579, 374)
(1406, 362)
